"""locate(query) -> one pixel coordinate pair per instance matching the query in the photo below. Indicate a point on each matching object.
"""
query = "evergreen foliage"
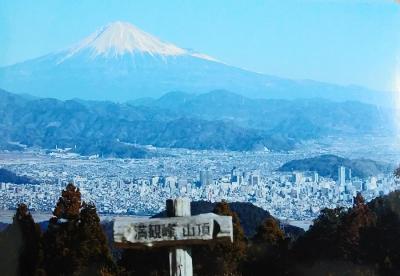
(363, 240)
(147, 261)
(268, 250)
(20, 250)
(269, 232)
(75, 242)
(222, 257)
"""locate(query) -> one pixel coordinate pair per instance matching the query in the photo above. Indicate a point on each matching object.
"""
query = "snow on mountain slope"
(119, 38)
(120, 62)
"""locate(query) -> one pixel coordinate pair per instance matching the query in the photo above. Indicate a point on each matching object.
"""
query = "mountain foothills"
(327, 166)
(120, 62)
(215, 120)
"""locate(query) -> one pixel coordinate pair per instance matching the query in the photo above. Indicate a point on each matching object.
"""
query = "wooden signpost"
(178, 231)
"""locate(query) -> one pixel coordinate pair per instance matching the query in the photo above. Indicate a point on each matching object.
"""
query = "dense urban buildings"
(141, 186)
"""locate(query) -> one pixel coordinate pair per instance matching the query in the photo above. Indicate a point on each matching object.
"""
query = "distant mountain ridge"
(99, 127)
(305, 118)
(327, 166)
(120, 62)
(216, 120)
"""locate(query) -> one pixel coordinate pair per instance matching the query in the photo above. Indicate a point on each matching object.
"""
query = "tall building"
(254, 178)
(154, 180)
(170, 182)
(315, 177)
(298, 177)
(205, 178)
(342, 175)
(234, 175)
(372, 183)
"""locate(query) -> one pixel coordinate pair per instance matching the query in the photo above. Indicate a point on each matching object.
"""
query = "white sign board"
(131, 232)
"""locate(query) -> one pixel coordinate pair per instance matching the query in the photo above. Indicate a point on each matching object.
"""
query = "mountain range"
(120, 62)
(216, 120)
(300, 118)
(110, 94)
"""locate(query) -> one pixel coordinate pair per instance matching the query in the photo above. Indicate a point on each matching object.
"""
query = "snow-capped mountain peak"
(120, 38)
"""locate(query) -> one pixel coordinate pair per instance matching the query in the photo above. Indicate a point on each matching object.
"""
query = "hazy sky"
(339, 41)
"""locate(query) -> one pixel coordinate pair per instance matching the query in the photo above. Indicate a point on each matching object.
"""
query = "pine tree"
(321, 241)
(20, 245)
(269, 232)
(268, 250)
(93, 247)
(380, 243)
(357, 219)
(222, 257)
(75, 242)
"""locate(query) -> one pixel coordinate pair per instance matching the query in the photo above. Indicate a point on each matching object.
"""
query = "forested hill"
(7, 176)
(327, 166)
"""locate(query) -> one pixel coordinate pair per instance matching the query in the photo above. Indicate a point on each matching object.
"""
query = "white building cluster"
(119, 186)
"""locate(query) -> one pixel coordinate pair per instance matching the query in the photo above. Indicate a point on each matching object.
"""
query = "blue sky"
(339, 41)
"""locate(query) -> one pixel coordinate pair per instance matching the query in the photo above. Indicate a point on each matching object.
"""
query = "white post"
(180, 258)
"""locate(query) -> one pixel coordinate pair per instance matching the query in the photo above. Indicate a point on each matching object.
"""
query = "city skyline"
(141, 186)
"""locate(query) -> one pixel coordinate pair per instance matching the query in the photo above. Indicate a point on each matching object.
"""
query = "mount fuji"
(120, 62)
